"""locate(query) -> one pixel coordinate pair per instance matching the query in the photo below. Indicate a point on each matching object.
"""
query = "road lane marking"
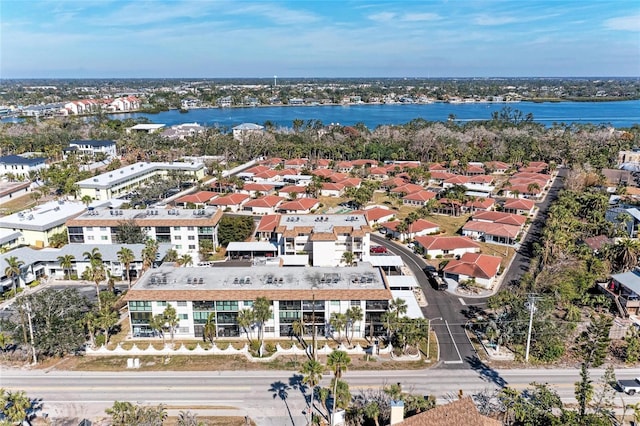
(462, 302)
(453, 341)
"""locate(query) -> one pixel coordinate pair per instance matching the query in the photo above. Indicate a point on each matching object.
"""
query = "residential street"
(258, 394)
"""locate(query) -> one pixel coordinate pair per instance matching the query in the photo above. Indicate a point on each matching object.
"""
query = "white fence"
(170, 350)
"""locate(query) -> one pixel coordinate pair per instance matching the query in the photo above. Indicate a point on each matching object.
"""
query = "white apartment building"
(307, 294)
(183, 229)
(125, 179)
(19, 166)
(323, 239)
(91, 148)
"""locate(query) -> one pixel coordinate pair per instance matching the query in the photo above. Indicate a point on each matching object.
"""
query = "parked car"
(378, 249)
(437, 282)
(430, 269)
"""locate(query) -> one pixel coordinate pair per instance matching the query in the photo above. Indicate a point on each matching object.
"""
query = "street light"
(429, 337)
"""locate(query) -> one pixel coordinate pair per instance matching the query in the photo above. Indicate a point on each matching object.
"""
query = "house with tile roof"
(296, 163)
(419, 198)
(198, 199)
(407, 188)
(253, 189)
(392, 183)
(299, 206)
(445, 246)
(491, 232)
(376, 214)
(307, 294)
(415, 229)
(500, 217)
(293, 191)
(519, 206)
(462, 412)
(481, 268)
(231, 202)
(266, 228)
(480, 204)
(324, 173)
(330, 189)
(266, 205)
(378, 173)
(497, 167)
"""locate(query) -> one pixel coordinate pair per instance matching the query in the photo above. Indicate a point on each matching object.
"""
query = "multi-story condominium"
(91, 148)
(323, 238)
(19, 166)
(38, 224)
(309, 295)
(183, 229)
(118, 182)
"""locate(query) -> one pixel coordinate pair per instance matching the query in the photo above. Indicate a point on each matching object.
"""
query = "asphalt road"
(456, 351)
(268, 397)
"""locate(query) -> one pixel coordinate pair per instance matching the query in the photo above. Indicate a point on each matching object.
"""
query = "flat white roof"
(147, 126)
(413, 309)
(251, 246)
(7, 235)
(387, 261)
(396, 281)
(43, 217)
(123, 174)
(323, 223)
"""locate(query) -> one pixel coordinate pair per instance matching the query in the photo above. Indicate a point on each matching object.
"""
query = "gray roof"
(16, 159)
(248, 126)
(43, 217)
(109, 252)
(166, 277)
(123, 174)
(93, 143)
(630, 280)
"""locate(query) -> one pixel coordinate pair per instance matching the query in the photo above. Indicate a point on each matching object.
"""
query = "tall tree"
(14, 406)
(338, 361)
(94, 257)
(338, 321)
(311, 375)
(126, 257)
(171, 320)
(246, 318)
(583, 391)
(13, 271)
(66, 262)
(96, 273)
(210, 330)
(354, 315)
(261, 313)
(149, 253)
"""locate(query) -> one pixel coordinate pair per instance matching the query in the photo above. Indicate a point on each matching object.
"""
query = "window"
(161, 303)
(177, 237)
(190, 228)
(139, 306)
(178, 246)
(248, 303)
(182, 303)
(269, 329)
(104, 237)
(183, 330)
(192, 247)
(335, 303)
(192, 237)
(90, 237)
(227, 305)
(176, 228)
(103, 228)
(89, 228)
(183, 316)
(355, 303)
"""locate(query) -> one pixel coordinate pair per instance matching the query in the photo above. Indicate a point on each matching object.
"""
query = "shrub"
(100, 340)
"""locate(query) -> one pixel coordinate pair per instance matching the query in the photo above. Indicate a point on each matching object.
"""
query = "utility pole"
(33, 346)
(531, 305)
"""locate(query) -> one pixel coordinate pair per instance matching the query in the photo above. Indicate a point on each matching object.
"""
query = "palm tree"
(311, 375)
(347, 258)
(372, 411)
(398, 307)
(66, 262)
(297, 327)
(623, 255)
(126, 257)
(261, 313)
(17, 406)
(94, 256)
(13, 271)
(149, 253)
(86, 200)
(171, 319)
(157, 323)
(338, 321)
(354, 314)
(95, 273)
(185, 260)
(245, 320)
(210, 330)
(338, 361)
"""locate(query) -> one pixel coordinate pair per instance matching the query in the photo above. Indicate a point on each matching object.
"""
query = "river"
(617, 114)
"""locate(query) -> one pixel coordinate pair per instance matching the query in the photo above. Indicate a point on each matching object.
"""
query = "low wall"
(170, 350)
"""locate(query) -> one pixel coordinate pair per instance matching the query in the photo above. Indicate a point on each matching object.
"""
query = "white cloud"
(382, 16)
(624, 23)
(419, 17)
(486, 20)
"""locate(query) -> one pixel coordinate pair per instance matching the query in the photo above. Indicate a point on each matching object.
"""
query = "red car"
(378, 249)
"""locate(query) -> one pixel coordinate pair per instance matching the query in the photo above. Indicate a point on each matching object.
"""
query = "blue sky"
(304, 38)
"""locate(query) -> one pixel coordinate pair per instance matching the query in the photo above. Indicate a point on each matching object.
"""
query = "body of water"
(617, 114)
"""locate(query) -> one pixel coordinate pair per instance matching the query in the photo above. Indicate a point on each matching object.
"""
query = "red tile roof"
(257, 169)
(268, 223)
(330, 186)
(293, 189)
(394, 182)
(482, 203)
(458, 180)
(351, 182)
(519, 204)
(197, 198)
(300, 204)
(431, 242)
(437, 167)
(261, 187)
(461, 412)
(229, 200)
(376, 213)
(407, 188)
(422, 195)
(491, 228)
(364, 162)
(267, 174)
(417, 226)
(474, 265)
(378, 171)
(322, 172)
(500, 217)
(266, 201)
(441, 175)
(338, 177)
